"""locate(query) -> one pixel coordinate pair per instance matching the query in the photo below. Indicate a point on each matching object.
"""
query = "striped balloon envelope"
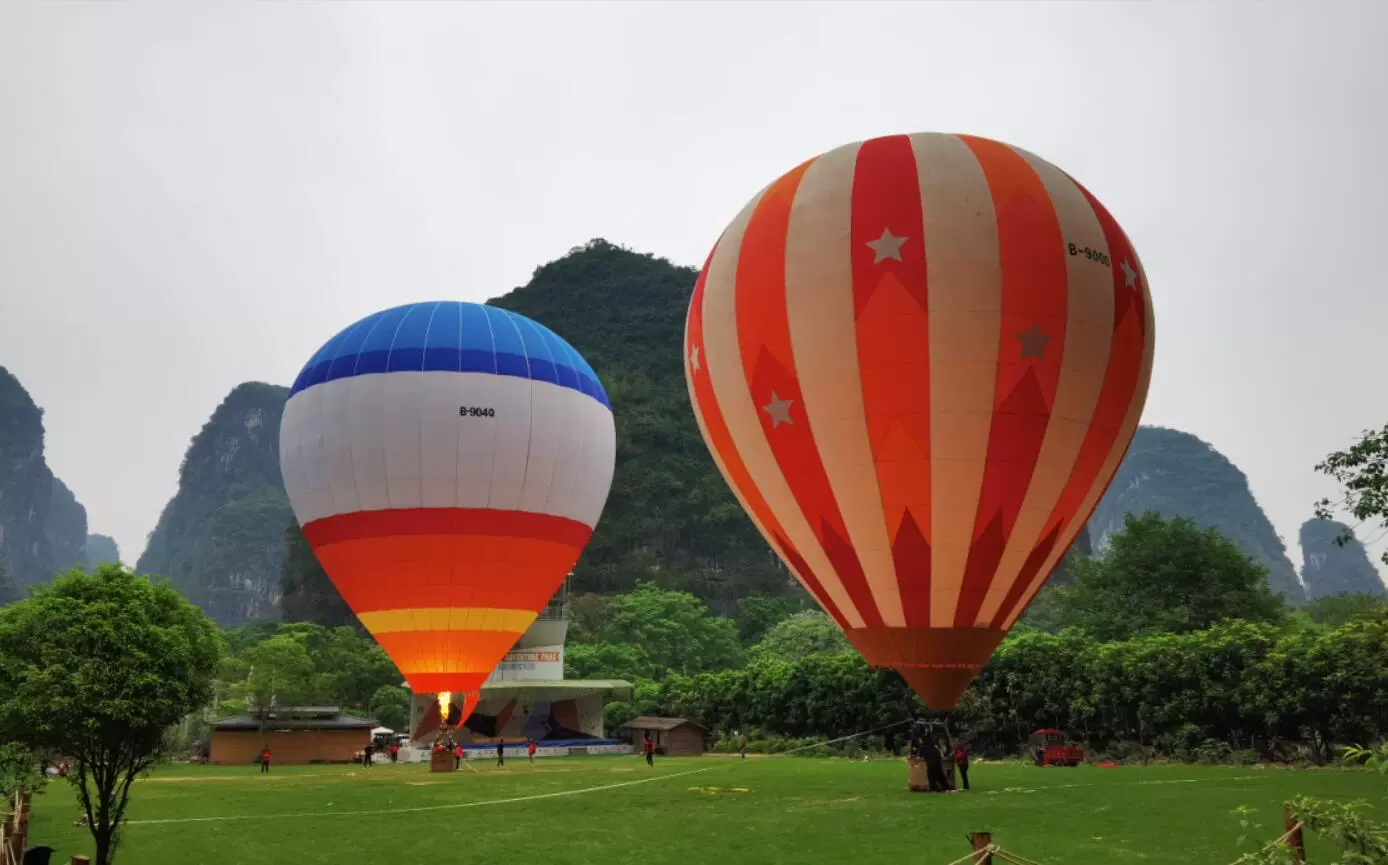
(918, 360)
(448, 462)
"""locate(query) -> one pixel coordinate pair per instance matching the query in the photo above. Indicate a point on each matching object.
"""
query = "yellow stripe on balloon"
(447, 619)
(446, 665)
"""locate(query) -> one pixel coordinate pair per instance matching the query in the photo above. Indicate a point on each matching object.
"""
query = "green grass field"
(794, 810)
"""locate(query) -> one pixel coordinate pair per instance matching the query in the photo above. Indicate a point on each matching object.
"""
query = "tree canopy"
(1165, 576)
(1362, 470)
(801, 636)
(99, 667)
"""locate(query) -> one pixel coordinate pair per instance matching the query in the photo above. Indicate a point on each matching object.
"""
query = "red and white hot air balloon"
(918, 360)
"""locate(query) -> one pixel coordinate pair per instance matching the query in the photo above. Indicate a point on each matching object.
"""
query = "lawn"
(793, 810)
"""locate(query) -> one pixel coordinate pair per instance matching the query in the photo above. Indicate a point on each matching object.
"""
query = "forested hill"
(1176, 474)
(43, 528)
(1329, 568)
(670, 516)
(220, 539)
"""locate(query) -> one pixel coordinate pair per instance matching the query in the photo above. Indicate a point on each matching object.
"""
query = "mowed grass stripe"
(798, 811)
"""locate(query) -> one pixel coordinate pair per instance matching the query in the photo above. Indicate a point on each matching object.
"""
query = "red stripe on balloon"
(1031, 249)
(721, 442)
(413, 558)
(893, 331)
(446, 521)
(1115, 398)
(763, 329)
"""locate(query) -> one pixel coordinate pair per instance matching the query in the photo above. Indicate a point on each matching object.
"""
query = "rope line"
(841, 739)
(1014, 858)
(977, 855)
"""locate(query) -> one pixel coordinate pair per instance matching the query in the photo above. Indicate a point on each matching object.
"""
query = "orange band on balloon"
(447, 619)
(447, 651)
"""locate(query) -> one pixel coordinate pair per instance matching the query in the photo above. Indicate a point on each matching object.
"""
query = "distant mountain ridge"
(220, 539)
(1176, 474)
(43, 528)
(1329, 569)
(228, 539)
(101, 549)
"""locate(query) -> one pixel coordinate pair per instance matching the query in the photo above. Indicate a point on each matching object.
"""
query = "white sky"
(193, 195)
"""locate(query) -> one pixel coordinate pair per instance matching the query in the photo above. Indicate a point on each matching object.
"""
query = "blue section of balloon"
(451, 336)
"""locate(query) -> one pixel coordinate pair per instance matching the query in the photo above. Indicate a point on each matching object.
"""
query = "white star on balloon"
(1129, 275)
(694, 358)
(887, 246)
(779, 410)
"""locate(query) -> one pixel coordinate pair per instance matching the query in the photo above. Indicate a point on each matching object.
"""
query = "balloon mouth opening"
(938, 663)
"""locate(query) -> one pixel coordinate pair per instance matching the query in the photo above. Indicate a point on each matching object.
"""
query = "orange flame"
(445, 702)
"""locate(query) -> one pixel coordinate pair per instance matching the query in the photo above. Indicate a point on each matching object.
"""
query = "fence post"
(982, 841)
(1295, 842)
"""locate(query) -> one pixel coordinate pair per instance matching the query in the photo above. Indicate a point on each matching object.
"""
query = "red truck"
(1050, 749)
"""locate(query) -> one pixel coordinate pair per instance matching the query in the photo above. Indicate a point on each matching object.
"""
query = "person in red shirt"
(265, 759)
(394, 752)
(458, 755)
(530, 750)
(961, 759)
(648, 745)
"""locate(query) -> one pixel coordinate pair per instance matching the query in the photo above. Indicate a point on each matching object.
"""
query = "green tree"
(100, 667)
(1362, 469)
(608, 661)
(281, 673)
(1334, 610)
(802, 635)
(1162, 575)
(673, 628)
(20, 769)
(390, 706)
(350, 669)
(757, 614)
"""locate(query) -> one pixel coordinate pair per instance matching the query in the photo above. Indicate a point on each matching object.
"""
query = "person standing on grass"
(530, 750)
(961, 759)
(394, 752)
(501, 752)
(458, 755)
(934, 773)
(648, 745)
(265, 759)
(947, 762)
(366, 755)
(742, 745)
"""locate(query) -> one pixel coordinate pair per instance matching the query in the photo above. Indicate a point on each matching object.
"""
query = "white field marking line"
(1129, 784)
(450, 807)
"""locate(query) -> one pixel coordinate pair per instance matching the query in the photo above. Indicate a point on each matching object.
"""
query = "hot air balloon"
(448, 462)
(917, 361)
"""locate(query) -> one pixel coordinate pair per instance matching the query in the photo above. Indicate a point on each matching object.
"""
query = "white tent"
(381, 731)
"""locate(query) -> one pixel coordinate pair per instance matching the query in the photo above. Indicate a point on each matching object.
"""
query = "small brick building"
(675, 737)
(295, 735)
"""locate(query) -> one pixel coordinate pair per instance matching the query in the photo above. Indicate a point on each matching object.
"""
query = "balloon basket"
(916, 776)
(441, 761)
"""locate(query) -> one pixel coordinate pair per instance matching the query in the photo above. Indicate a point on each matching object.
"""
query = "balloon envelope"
(918, 360)
(448, 462)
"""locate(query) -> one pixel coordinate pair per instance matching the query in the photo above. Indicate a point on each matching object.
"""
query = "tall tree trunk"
(104, 850)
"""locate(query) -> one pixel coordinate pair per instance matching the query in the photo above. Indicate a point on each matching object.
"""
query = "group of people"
(447, 745)
(941, 760)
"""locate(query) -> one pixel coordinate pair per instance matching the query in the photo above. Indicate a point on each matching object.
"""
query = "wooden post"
(1295, 842)
(982, 841)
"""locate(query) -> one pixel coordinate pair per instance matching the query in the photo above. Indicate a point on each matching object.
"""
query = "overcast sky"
(194, 195)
